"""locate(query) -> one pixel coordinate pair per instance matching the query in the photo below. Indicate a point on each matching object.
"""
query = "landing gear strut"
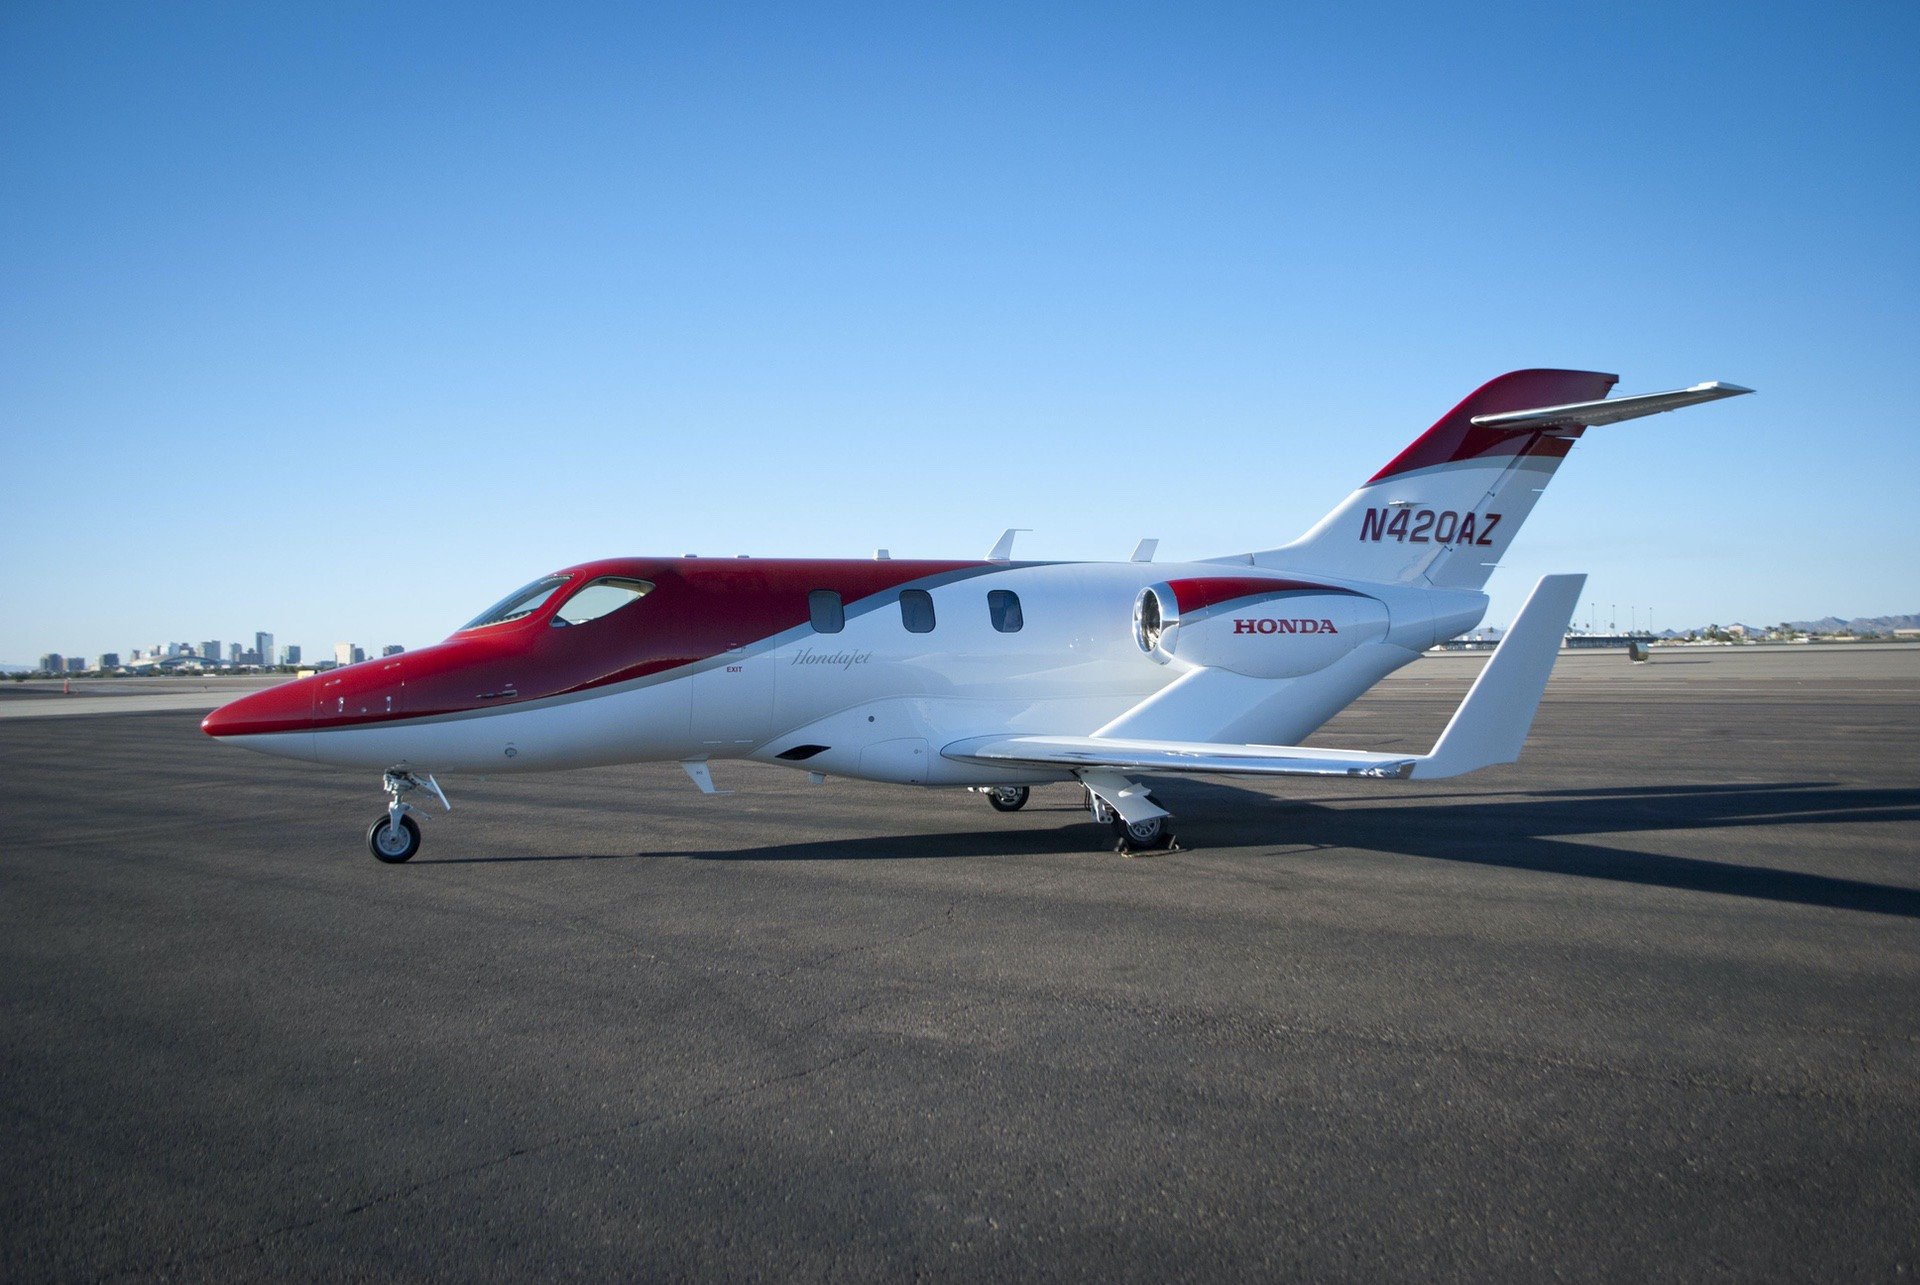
(394, 835)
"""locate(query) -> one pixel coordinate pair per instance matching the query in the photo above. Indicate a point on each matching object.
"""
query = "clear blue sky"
(340, 321)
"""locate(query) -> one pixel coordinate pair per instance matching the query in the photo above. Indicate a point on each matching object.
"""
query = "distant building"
(76, 664)
(343, 653)
(359, 654)
(109, 660)
(53, 663)
(250, 657)
(392, 649)
(235, 652)
(290, 654)
(211, 652)
(263, 647)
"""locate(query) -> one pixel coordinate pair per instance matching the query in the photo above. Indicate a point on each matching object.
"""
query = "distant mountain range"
(1859, 624)
(1824, 625)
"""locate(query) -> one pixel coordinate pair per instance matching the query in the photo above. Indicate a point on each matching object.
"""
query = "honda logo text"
(1272, 626)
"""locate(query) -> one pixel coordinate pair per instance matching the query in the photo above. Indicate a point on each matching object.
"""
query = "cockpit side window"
(521, 602)
(599, 598)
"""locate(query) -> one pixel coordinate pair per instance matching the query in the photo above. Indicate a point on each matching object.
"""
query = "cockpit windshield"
(521, 602)
(599, 598)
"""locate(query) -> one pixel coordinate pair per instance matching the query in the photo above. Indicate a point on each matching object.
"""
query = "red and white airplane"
(995, 675)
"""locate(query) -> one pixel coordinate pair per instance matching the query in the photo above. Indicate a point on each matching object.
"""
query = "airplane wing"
(1178, 756)
(1489, 727)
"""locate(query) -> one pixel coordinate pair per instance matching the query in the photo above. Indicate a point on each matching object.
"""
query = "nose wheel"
(390, 845)
(394, 835)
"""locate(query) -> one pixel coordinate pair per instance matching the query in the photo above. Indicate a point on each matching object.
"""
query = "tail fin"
(1444, 511)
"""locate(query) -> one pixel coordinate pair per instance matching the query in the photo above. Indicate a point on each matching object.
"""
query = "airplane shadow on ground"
(1516, 830)
(1530, 831)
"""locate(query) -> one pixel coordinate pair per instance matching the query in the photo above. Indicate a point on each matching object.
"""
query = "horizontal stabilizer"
(1608, 411)
(1490, 726)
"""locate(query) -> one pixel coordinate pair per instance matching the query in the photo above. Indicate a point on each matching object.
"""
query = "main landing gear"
(1147, 831)
(1126, 807)
(394, 835)
(1150, 830)
(1008, 798)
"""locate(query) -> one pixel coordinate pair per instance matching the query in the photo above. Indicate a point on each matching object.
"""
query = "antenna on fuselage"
(1002, 550)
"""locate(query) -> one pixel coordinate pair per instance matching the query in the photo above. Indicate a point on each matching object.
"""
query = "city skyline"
(227, 655)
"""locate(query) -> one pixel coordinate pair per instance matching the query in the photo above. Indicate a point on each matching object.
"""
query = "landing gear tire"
(1008, 798)
(390, 847)
(1141, 836)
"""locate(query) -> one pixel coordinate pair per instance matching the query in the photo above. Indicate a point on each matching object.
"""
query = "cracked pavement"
(1646, 1004)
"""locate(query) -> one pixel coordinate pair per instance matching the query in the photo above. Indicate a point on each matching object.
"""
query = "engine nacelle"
(1263, 628)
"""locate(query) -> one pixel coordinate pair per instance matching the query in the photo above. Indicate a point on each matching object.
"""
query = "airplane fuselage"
(725, 658)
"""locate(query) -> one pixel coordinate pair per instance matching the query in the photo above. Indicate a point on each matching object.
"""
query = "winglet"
(1491, 725)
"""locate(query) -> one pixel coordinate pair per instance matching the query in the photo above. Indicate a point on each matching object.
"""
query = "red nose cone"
(285, 708)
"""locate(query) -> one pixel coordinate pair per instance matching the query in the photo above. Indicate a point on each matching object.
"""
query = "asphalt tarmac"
(1646, 1005)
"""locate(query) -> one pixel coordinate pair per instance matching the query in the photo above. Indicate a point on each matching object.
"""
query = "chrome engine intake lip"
(1156, 621)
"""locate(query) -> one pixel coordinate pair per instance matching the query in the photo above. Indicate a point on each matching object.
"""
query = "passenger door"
(733, 701)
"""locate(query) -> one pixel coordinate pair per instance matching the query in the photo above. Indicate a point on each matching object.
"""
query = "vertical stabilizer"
(1444, 510)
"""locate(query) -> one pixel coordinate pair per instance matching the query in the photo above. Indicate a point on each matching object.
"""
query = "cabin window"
(521, 602)
(916, 611)
(599, 598)
(1004, 606)
(828, 612)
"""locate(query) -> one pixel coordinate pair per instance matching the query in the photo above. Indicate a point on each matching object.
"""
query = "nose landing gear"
(394, 835)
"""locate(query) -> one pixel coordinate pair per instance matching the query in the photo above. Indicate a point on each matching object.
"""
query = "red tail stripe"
(1454, 438)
